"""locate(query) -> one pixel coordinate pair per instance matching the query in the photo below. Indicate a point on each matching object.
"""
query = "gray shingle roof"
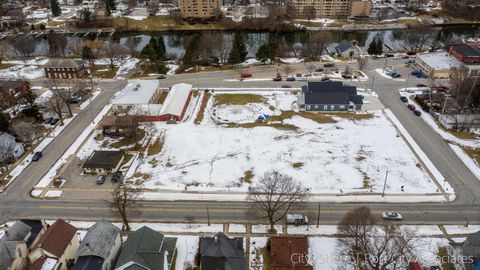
(18, 232)
(147, 248)
(343, 46)
(471, 246)
(64, 63)
(13, 236)
(331, 92)
(99, 240)
(7, 253)
(103, 159)
(221, 253)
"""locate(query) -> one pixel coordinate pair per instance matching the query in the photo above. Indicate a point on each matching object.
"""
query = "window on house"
(325, 108)
(332, 107)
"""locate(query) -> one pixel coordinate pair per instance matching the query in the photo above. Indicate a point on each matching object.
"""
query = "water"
(219, 41)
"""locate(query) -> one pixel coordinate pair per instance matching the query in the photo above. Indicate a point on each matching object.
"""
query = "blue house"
(329, 96)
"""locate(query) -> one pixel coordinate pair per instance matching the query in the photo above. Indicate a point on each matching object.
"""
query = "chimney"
(215, 240)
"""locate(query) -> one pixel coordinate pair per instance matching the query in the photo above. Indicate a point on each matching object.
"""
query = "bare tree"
(383, 13)
(131, 3)
(124, 200)
(362, 63)
(114, 53)
(309, 12)
(153, 7)
(4, 51)
(347, 70)
(465, 85)
(23, 47)
(310, 68)
(316, 44)
(56, 104)
(25, 131)
(274, 195)
(63, 92)
(287, 69)
(374, 246)
(56, 44)
(416, 39)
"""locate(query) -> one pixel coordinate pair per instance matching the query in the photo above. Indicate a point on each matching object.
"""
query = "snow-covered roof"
(176, 99)
(137, 92)
(439, 60)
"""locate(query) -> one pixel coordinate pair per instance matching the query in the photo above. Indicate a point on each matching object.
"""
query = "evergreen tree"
(160, 67)
(29, 99)
(190, 57)
(55, 8)
(379, 46)
(87, 54)
(3, 122)
(264, 53)
(239, 49)
(375, 47)
(110, 5)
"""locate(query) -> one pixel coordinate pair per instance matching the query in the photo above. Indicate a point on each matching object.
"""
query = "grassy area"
(297, 165)
(354, 116)
(474, 153)
(317, 117)
(267, 259)
(161, 98)
(126, 141)
(201, 112)
(104, 71)
(156, 147)
(462, 134)
(237, 99)
(5, 66)
(160, 23)
(247, 177)
(279, 126)
(443, 255)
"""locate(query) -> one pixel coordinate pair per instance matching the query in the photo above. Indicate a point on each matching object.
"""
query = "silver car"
(392, 216)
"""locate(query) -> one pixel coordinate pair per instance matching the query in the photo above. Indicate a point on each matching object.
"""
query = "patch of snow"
(237, 228)
(383, 73)
(172, 68)
(49, 264)
(187, 248)
(291, 60)
(263, 228)
(460, 229)
(466, 159)
(312, 229)
(53, 194)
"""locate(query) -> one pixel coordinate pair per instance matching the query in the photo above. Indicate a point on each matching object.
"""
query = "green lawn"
(104, 71)
(238, 99)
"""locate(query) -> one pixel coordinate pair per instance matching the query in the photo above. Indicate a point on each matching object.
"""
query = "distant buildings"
(437, 64)
(468, 53)
(323, 8)
(346, 49)
(361, 8)
(202, 9)
(329, 96)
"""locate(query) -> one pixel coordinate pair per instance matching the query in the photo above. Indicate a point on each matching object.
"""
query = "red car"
(245, 75)
(421, 85)
(286, 86)
(277, 79)
(411, 107)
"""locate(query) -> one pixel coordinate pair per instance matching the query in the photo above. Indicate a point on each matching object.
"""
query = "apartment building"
(361, 8)
(199, 8)
(323, 8)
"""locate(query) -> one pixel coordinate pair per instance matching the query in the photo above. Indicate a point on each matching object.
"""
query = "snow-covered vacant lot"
(331, 155)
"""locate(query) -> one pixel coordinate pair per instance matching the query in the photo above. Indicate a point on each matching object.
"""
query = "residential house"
(99, 247)
(113, 125)
(289, 252)
(147, 249)
(55, 249)
(329, 96)
(221, 253)
(103, 162)
(471, 249)
(15, 243)
(11, 92)
(176, 103)
(347, 49)
(437, 65)
(66, 69)
(459, 121)
(9, 147)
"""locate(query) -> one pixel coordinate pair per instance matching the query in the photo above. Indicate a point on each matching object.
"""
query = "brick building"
(361, 8)
(199, 8)
(323, 8)
(466, 53)
(66, 69)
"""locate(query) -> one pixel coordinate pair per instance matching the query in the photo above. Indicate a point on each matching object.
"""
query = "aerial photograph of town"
(239, 134)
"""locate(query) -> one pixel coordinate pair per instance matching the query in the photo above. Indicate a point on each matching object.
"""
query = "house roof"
(56, 238)
(7, 140)
(12, 84)
(89, 263)
(331, 92)
(104, 159)
(439, 60)
(114, 120)
(221, 252)
(343, 46)
(36, 226)
(283, 248)
(471, 246)
(467, 51)
(137, 92)
(99, 240)
(64, 63)
(7, 253)
(18, 232)
(147, 249)
(176, 99)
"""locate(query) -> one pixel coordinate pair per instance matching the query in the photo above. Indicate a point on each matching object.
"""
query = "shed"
(103, 162)
(177, 101)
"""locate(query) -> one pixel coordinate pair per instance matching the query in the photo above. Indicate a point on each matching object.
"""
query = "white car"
(391, 216)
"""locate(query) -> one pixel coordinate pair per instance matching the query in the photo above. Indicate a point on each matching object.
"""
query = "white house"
(9, 148)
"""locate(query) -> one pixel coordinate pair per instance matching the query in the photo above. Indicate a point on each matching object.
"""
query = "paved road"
(17, 202)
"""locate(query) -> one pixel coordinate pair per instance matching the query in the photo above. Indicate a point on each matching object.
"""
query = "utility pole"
(470, 214)
(318, 215)
(208, 215)
(385, 184)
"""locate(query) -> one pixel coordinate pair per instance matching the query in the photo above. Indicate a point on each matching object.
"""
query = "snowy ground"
(348, 156)
(30, 69)
(383, 73)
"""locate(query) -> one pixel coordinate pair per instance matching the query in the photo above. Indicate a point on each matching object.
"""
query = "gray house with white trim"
(9, 147)
(329, 96)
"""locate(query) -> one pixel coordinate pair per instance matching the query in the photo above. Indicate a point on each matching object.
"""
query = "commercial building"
(138, 98)
(323, 8)
(466, 53)
(202, 9)
(103, 162)
(66, 69)
(177, 102)
(438, 65)
(361, 8)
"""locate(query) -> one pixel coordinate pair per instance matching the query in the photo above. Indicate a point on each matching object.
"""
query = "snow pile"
(291, 60)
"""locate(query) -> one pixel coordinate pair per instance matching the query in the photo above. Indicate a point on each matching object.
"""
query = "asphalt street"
(17, 203)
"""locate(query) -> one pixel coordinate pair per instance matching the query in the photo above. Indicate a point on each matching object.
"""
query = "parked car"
(328, 65)
(391, 216)
(286, 86)
(37, 156)
(417, 112)
(421, 85)
(101, 179)
(117, 177)
(48, 120)
(277, 79)
(319, 70)
(297, 219)
(54, 121)
(404, 98)
(411, 107)
(161, 77)
(245, 75)
(290, 79)
(324, 79)
(397, 75)
(346, 76)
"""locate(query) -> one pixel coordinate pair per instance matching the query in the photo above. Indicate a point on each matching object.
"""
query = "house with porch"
(329, 96)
